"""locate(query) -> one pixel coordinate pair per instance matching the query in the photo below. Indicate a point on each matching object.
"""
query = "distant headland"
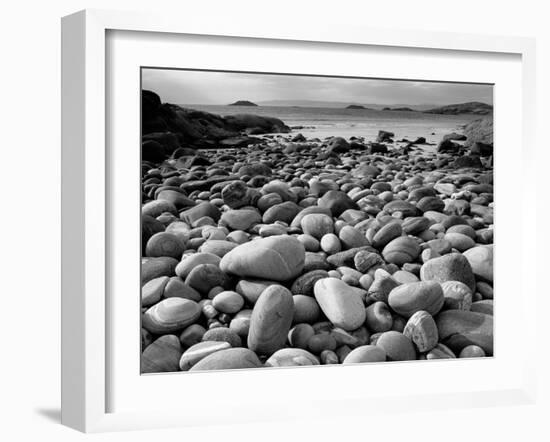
(472, 107)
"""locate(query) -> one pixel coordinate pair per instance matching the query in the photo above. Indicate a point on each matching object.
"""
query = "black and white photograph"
(294, 220)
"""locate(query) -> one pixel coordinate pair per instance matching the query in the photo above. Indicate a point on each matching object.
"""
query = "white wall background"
(30, 154)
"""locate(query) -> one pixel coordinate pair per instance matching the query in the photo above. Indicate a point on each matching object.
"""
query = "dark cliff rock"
(479, 136)
(469, 161)
(242, 122)
(448, 146)
(338, 145)
(485, 150)
(480, 130)
(384, 136)
(172, 126)
(377, 148)
(454, 137)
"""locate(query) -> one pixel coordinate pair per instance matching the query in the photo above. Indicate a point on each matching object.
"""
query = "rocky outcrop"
(478, 142)
(448, 146)
(472, 107)
(377, 148)
(338, 145)
(470, 161)
(479, 131)
(479, 136)
(255, 124)
(173, 126)
(478, 148)
(198, 128)
(355, 106)
(384, 136)
(454, 137)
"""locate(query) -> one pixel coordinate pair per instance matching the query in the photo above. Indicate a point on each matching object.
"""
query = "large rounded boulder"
(407, 299)
(340, 302)
(481, 261)
(461, 328)
(337, 201)
(229, 359)
(451, 267)
(271, 320)
(278, 258)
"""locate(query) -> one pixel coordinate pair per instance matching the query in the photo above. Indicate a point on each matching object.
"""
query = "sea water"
(327, 122)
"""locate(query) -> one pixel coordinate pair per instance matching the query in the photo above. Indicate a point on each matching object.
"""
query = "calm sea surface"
(326, 122)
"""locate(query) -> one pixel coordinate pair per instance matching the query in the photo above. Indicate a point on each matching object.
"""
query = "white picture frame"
(87, 215)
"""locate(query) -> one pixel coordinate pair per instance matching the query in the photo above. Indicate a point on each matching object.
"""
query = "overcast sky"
(202, 87)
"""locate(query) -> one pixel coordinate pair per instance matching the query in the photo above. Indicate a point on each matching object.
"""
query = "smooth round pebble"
(199, 351)
(378, 317)
(472, 351)
(306, 309)
(317, 225)
(341, 304)
(222, 334)
(170, 315)
(318, 343)
(228, 302)
(162, 355)
(291, 357)
(365, 353)
(407, 299)
(299, 335)
(229, 359)
(240, 323)
(397, 346)
(271, 319)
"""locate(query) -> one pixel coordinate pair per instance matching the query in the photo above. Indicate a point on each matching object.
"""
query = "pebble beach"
(262, 247)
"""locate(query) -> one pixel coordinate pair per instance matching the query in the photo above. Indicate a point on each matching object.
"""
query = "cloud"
(206, 87)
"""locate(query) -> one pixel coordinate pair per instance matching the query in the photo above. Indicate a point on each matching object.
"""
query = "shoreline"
(347, 123)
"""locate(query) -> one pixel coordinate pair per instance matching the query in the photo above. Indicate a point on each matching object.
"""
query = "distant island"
(342, 104)
(472, 107)
(464, 108)
(243, 103)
